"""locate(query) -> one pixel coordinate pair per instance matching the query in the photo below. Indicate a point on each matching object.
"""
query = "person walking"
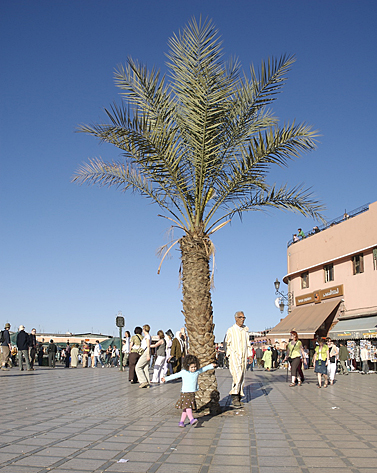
(267, 359)
(189, 375)
(321, 361)
(85, 354)
(97, 354)
(333, 357)
(67, 355)
(275, 357)
(135, 353)
(40, 352)
(32, 347)
(293, 355)
(167, 365)
(126, 347)
(5, 347)
(259, 356)
(75, 356)
(142, 366)
(176, 352)
(364, 356)
(160, 350)
(23, 348)
(51, 351)
(343, 358)
(237, 350)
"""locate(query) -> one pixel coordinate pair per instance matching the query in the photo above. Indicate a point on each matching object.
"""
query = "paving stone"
(225, 460)
(167, 468)
(78, 464)
(137, 467)
(279, 430)
(36, 460)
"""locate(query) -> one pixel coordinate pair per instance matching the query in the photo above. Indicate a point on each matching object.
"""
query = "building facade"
(332, 280)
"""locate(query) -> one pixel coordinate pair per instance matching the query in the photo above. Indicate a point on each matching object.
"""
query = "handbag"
(173, 360)
(332, 359)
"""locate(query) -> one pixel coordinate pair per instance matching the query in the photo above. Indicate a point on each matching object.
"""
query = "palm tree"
(201, 147)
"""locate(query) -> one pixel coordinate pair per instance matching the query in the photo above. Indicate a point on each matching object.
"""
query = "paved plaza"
(86, 420)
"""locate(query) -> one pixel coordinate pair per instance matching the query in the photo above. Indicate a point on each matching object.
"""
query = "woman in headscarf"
(267, 359)
(176, 352)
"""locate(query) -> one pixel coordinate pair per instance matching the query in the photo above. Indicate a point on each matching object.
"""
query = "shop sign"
(306, 299)
(370, 335)
(345, 335)
(331, 292)
(319, 296)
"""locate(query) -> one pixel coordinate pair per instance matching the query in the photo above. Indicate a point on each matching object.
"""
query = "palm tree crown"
(202, 145)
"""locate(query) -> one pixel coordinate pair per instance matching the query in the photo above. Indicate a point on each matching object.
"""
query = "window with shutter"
(358, 264)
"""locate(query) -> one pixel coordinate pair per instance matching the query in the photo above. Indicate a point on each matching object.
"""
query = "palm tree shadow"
(251, 391)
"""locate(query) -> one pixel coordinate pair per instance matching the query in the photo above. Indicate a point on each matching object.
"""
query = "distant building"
(72, 337)
(332, 280)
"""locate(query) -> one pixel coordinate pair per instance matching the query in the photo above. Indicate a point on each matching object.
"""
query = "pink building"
(332, 280)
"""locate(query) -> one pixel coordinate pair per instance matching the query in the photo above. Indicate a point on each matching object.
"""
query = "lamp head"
(277, 284)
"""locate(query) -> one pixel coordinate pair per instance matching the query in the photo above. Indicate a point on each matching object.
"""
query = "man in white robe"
(237, 350)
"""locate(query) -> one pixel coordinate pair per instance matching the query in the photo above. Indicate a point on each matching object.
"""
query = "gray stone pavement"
(85, 420)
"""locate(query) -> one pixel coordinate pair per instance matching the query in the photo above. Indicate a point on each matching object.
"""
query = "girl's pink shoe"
(181, 424)
(193, 421)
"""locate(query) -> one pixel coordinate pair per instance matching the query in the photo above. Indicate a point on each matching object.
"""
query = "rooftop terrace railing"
(331, 223)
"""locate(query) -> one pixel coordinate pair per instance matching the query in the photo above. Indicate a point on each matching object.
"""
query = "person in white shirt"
(142, 367)
(126, 347)
(364, 355)
(97, 354)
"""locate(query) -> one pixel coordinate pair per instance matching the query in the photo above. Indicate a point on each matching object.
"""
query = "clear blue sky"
(71, 256)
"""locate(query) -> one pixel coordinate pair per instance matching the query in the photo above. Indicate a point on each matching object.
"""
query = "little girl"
(189, 376)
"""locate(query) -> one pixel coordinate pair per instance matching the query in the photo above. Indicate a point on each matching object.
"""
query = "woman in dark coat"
(176, 352)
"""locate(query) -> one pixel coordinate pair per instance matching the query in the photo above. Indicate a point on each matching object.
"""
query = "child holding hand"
(189, 376)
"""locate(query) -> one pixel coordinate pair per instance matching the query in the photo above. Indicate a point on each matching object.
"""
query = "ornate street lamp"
(279, 301)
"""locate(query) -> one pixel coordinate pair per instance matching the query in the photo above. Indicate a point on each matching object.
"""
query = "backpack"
(2, 339)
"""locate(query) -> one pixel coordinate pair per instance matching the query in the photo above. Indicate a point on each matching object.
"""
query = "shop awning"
(305, 320)
(361, 327)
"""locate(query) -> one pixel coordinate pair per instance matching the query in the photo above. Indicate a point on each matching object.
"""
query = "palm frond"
(123, 178)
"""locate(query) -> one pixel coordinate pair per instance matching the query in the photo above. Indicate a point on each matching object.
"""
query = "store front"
(358, 333)
(309, 321)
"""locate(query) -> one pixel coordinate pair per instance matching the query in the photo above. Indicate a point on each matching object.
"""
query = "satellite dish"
(277, 302)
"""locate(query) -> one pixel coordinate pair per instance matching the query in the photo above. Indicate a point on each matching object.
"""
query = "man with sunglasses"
(237, 349)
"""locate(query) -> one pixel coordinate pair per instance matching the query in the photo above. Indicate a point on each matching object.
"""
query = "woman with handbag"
(135, 350)
(321, 361)
(294, 354)
(333, 358)
(160, 352)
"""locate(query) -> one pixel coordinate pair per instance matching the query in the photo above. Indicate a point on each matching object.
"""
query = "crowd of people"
(138, 352)
(166, 353)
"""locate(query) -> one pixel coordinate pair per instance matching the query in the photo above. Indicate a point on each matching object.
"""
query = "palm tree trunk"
(197, 309)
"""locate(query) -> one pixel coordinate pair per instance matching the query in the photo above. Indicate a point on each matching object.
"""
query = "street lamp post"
(119, 321)
(283, 297)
